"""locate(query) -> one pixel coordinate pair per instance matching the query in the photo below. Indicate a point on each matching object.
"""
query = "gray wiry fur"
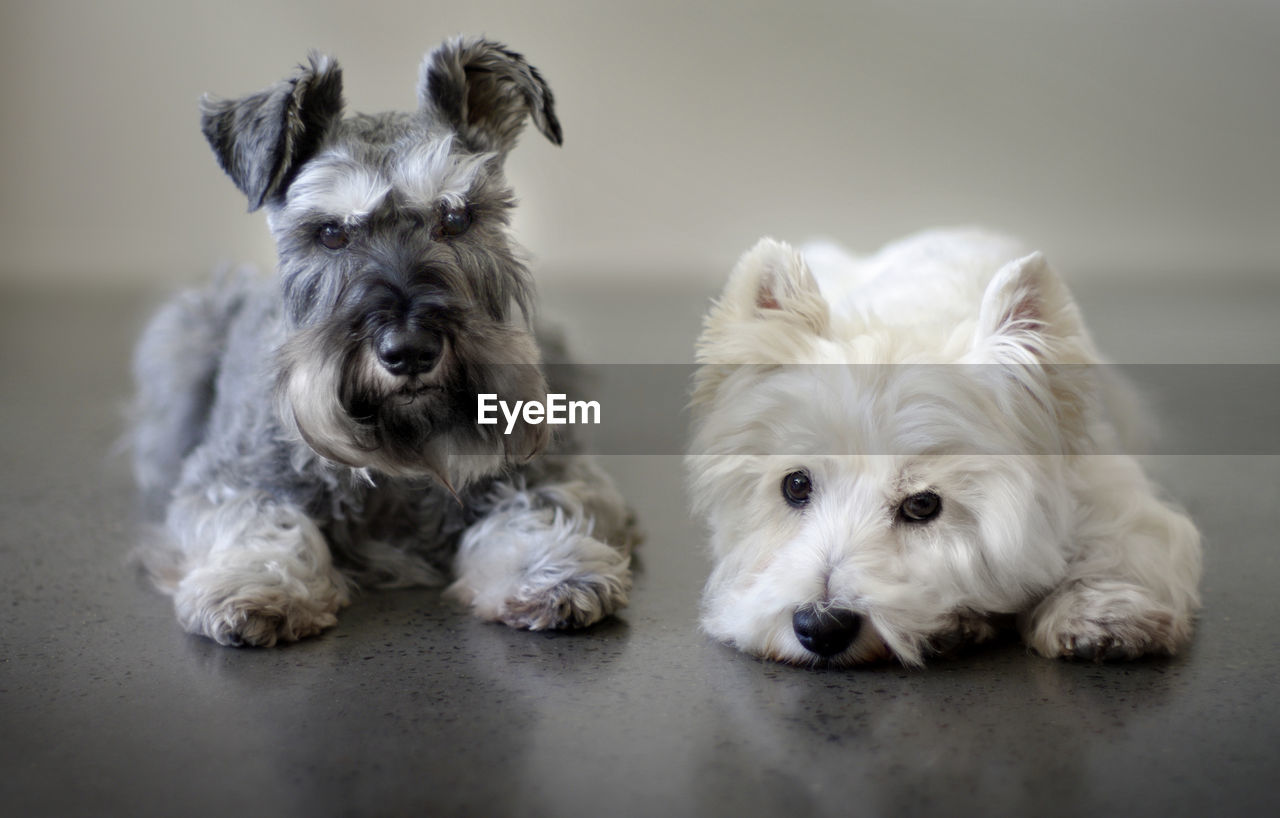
(290, 451)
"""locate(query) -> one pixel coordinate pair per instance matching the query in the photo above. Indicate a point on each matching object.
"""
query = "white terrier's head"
(872, 478)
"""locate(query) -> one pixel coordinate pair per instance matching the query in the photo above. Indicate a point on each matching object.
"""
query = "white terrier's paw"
(1104, 622)
(1104, 642)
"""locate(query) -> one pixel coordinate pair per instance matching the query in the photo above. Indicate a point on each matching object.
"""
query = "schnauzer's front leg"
(538, 559)
(1131, 588)
(250, 571)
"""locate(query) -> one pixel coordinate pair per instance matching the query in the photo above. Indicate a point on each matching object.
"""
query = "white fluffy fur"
(952, 362)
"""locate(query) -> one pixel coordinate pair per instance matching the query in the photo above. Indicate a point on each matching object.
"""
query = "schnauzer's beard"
(349, 409)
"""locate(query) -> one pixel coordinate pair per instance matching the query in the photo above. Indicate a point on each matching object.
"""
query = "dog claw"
(1117, 652)
(1083, 649)
(946, 643)
(1103, 649)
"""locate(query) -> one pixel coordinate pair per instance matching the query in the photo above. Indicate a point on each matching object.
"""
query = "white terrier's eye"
(796, 488)
(921, 508)
(334, 236)
(454, 221)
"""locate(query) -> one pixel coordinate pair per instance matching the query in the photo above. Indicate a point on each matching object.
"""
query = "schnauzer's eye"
(921, 508)
(334, 236)
(454, 221)
(796, 488)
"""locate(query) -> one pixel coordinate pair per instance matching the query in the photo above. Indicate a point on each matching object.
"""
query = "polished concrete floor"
(411, 707)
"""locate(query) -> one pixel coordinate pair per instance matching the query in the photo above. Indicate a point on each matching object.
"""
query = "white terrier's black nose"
(826, 631)
(408, 350)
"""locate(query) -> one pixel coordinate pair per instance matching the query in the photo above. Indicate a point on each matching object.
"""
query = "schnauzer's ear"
(263, 139)
(1027, 315)
(484, 91)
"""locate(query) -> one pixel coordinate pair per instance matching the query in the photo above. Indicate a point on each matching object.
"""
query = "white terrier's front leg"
(1132, 588)
(251, 571)
(1100, 620)
(535, 564)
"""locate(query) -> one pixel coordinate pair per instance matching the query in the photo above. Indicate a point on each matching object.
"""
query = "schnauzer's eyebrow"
(431, 172)
(338, 186)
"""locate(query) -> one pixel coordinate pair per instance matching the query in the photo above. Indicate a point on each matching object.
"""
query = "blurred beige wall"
(1126, 138)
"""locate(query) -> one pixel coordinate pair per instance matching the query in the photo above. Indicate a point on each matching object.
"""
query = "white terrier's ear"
(1029, 324)
(1027, 315)
(770, 312)
(771, 281)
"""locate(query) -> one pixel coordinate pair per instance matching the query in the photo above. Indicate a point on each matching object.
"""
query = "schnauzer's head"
(871, 486)
(404, 296)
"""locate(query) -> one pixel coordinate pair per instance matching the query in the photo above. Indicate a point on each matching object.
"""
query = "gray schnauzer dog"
(305, 437)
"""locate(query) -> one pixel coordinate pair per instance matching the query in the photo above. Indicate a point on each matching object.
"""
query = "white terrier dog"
(894, 453)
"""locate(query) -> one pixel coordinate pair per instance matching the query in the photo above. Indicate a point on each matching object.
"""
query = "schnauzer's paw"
(577, 602)
(257, 617)
(248, 625)
(1105, 623)
(967, 629)
(539, 577)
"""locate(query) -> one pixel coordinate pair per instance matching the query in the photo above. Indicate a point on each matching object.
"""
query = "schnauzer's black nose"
(827, 631)
(408, 350)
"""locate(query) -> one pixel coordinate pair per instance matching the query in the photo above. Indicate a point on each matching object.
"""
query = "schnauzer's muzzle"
(406, 349)
(405, 328)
